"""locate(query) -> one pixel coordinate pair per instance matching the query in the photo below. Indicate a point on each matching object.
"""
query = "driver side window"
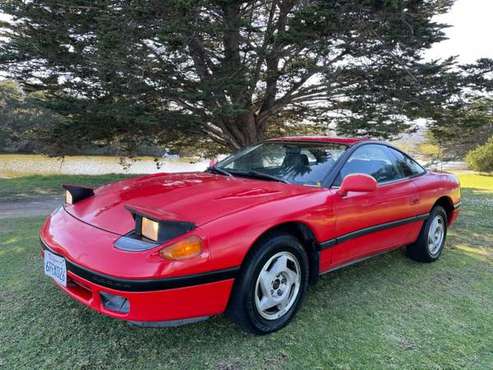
(370, 159)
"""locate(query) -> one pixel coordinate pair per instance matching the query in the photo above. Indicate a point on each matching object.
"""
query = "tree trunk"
(244, 130)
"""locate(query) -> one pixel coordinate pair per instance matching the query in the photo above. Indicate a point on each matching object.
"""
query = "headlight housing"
(150, 231)
(76, 193)
(159, 231)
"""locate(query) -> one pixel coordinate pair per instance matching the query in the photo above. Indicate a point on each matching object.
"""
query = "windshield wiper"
(260, 175)
(219, 170)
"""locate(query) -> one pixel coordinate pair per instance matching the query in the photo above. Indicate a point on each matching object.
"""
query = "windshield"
(303, 163)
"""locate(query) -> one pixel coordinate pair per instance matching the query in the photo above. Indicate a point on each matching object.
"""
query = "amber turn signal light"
(183, 249)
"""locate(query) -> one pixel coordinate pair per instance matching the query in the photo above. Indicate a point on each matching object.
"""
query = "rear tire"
(271, 286)
(431, 240)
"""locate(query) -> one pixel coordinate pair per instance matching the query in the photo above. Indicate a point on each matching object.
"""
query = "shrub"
(481, 158)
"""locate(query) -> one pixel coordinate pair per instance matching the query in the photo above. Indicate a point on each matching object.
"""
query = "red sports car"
(248, 235)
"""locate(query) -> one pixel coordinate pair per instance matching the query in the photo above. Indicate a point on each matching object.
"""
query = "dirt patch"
(29, 208)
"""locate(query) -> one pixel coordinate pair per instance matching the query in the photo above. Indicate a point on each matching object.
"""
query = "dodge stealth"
(247, 236)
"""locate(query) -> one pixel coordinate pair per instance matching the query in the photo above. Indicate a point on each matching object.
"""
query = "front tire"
(272, 285)
(431, 240)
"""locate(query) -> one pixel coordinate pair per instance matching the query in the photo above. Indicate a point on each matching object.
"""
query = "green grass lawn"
(36, 186)
(387, 312)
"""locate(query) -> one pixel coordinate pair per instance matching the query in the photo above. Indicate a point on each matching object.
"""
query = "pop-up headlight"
(150, 231)
(76, 193)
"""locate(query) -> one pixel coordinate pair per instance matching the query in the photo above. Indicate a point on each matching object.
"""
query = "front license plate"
(55, 268)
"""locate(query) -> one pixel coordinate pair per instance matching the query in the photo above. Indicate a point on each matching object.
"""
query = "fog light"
(115, 303)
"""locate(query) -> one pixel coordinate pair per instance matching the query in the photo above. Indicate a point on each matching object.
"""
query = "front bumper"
(177, 301)
(147, 290)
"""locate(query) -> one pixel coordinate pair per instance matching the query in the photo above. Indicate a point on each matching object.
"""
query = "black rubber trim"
(372, 229)
(131, 285)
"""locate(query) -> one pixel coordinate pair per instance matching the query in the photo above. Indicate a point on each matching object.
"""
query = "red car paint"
(230, 214)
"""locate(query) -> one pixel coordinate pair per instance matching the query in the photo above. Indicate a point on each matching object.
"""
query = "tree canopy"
(24, 124)
(467, 120)
(192, 72)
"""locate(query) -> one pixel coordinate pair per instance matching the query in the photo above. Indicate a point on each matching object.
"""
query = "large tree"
(178, 71)
(466, 121)
(24, 124)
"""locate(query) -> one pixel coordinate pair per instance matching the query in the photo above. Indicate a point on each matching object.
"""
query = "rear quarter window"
(407, 166)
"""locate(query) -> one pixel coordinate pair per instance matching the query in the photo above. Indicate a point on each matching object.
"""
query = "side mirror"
(358, 182)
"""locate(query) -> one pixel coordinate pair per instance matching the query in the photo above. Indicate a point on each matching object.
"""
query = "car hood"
(193, 197)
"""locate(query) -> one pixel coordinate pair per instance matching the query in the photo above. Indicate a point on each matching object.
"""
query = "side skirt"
(350, 263)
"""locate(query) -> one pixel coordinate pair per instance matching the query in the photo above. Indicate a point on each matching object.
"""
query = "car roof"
(321, 139)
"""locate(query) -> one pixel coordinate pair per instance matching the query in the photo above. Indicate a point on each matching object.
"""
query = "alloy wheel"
(436, 234)
(278, 285)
